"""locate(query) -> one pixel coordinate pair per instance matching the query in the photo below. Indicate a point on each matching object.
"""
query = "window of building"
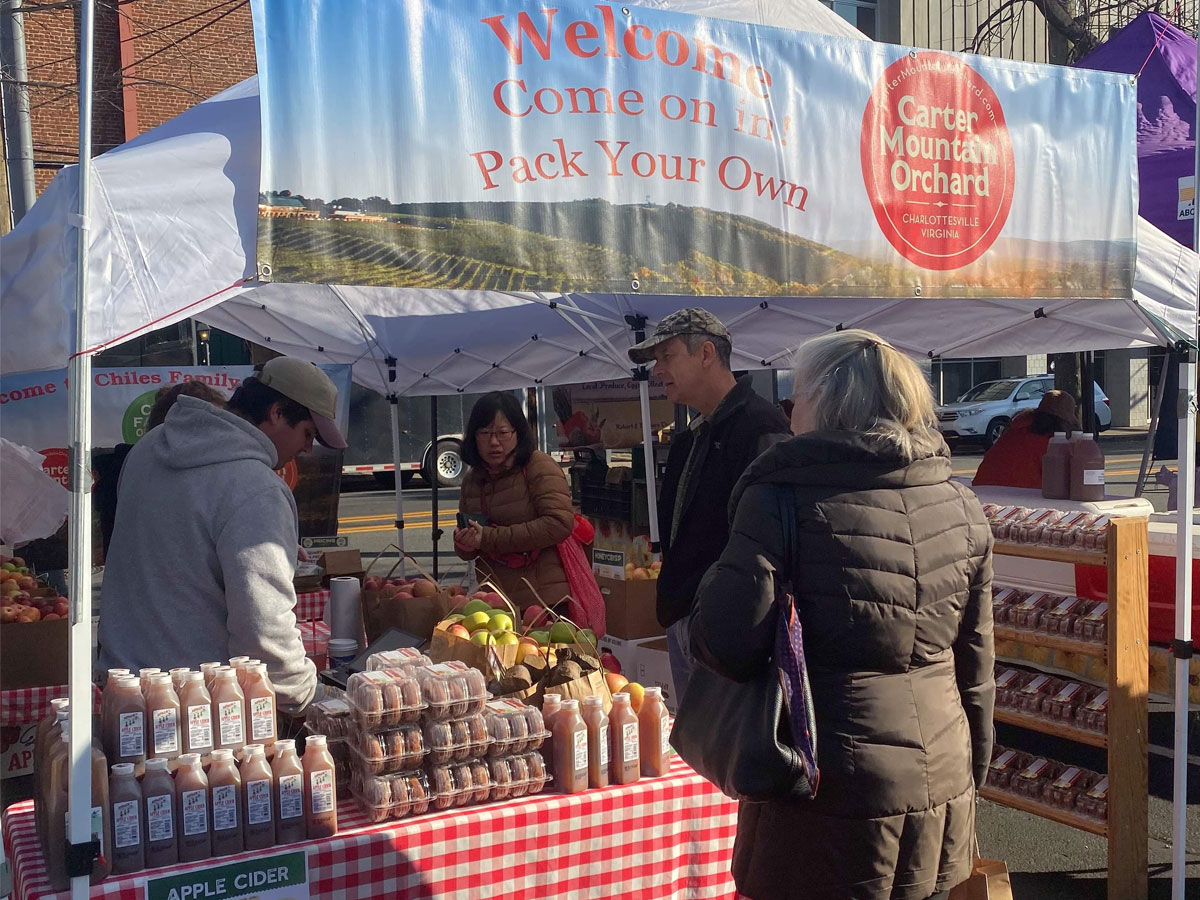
(859, 13)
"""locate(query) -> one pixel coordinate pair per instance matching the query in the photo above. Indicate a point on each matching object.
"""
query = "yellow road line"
(449, 523)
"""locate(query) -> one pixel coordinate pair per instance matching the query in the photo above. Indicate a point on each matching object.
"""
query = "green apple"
(587, 637)
(483, 636)
(505, 638)
(542, 637)
(456, 617)
(474, 606)
(500, 621)
(476, 620)
(562, 633)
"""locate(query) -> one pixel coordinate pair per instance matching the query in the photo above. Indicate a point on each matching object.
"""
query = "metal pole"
(1186, 499)
(648, 449)
(1148, 451)
(79, 816)
(394, 402)
(433, 480)
(1186, 410)
(18, 134)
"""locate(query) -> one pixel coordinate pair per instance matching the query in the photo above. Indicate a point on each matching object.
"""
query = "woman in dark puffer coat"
(892, 574)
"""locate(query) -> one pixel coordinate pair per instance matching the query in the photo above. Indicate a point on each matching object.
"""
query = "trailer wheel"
(447, 462)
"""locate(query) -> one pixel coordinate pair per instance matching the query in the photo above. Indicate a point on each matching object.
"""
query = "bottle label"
(1093, 476)
(665, 730)
(604, 745)
(195, 812)
(166, 730)
(231, 722)
(160, 818)
(199, 726)
(322, 791)
(133, 737)
(581, 754)
(225, 812)
(127, 827)
(291, 799)
(258, 802)
(262, 718)
(629, 741)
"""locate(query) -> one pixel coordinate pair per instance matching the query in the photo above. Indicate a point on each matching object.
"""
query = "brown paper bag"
(418, 615)
(590, 685)
(989, 881)
(490, 659)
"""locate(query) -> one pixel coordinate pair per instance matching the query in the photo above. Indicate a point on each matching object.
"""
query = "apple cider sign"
(937, 160)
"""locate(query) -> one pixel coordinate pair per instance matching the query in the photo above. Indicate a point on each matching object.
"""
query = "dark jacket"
(743, 425)
(892, 576)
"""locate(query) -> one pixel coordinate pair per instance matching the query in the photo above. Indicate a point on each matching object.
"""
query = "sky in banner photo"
(870, 152)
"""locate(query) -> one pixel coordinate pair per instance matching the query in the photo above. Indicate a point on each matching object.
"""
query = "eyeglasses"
(499, 434)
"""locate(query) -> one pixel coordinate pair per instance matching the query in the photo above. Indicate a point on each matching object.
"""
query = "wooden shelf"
(1062, 816)
(1033, 723)
(1053, 554)
(1053, 641)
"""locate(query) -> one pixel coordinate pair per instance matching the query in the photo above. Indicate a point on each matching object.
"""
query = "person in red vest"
(1016, 459)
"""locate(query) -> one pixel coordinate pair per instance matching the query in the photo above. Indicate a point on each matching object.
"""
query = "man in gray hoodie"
(204, 545)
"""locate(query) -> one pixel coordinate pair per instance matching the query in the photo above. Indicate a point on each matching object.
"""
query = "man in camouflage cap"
(691, 352)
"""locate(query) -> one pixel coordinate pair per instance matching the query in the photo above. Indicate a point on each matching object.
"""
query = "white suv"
(983, 412)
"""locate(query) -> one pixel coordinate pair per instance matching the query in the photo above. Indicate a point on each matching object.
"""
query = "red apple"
(610, 662)
(534, 615)
(49, 617)
(459, 630)
(372, 583)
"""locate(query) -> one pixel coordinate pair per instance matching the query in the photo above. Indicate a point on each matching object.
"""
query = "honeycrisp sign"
(595, 147)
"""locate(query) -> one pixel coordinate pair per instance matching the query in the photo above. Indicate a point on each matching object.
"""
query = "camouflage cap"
(687, 321)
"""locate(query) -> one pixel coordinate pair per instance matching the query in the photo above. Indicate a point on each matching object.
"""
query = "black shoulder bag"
(757, 740)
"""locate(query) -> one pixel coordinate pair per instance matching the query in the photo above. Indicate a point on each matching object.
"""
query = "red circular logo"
(937, 160)
(56, 463)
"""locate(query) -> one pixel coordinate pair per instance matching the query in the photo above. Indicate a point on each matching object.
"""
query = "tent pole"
(394, 402)
(648, 452)
(638, 324)
(1148, 451)
(1183, 611)
(433, 479)
(79, 817)
(1186, 501)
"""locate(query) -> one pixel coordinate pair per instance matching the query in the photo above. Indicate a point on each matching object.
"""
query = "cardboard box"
(654, 669)
(630, 608)
(307, 578)
(625, 652)
(339, 563)
(33, 654)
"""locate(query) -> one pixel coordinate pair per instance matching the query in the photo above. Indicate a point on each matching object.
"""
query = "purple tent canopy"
(1164, 59)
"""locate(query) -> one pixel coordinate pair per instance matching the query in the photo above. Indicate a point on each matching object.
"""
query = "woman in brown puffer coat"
(518, 504)
(892, 576)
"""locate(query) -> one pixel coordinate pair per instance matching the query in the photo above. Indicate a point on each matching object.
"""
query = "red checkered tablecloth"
(660, 838)
(311, 605)
(26, 706)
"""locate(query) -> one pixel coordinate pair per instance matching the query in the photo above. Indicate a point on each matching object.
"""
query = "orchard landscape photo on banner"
(594, 147)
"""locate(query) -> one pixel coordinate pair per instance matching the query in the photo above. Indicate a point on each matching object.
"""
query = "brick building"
(154, 59)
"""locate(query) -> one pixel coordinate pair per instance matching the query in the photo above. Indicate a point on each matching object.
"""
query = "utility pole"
(18, 135)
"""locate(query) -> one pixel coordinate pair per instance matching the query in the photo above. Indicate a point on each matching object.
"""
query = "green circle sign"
(133, 424)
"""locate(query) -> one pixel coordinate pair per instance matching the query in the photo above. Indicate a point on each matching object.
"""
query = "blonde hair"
(855, 381)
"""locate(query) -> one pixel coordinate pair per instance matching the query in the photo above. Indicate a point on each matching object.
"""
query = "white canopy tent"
(171, 228)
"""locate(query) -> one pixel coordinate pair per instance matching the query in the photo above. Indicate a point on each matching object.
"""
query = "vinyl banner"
(33, 410)
(593, 147)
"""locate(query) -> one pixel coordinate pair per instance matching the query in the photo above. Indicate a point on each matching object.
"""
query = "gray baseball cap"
(311, 388)
(687, 321)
